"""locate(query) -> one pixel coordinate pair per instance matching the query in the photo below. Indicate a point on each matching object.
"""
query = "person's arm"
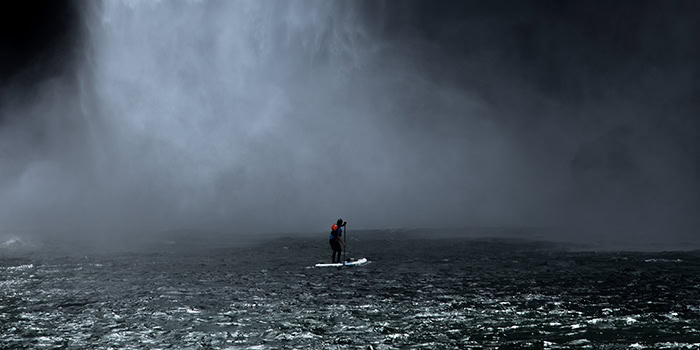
(345, 224)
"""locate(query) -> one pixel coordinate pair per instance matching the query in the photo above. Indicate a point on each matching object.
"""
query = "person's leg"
(333, 249)
(339, 251)
(335, 245)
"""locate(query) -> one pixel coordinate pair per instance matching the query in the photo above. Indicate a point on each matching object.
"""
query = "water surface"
(416, 293)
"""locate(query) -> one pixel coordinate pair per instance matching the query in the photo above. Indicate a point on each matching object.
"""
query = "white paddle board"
(357, 262)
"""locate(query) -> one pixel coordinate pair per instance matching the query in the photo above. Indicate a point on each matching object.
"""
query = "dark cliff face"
(564, 47)
(612, 88)
(565, 64)
(41, 43)
(38, 40)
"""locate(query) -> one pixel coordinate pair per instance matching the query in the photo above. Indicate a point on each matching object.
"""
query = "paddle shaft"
(346, 243)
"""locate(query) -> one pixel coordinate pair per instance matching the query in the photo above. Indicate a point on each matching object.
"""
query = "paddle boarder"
(335, 239)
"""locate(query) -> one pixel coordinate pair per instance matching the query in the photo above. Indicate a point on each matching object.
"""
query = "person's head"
(339, 222)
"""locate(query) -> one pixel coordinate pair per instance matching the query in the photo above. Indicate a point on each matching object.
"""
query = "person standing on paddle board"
(335, 239)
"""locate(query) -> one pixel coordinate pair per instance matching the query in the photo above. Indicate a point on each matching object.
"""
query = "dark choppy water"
(422, 294)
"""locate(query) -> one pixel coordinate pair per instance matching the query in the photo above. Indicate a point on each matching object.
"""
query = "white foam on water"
(664, 260)
(21, 267)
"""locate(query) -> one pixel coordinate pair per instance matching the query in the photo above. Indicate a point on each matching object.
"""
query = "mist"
(270, 116)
